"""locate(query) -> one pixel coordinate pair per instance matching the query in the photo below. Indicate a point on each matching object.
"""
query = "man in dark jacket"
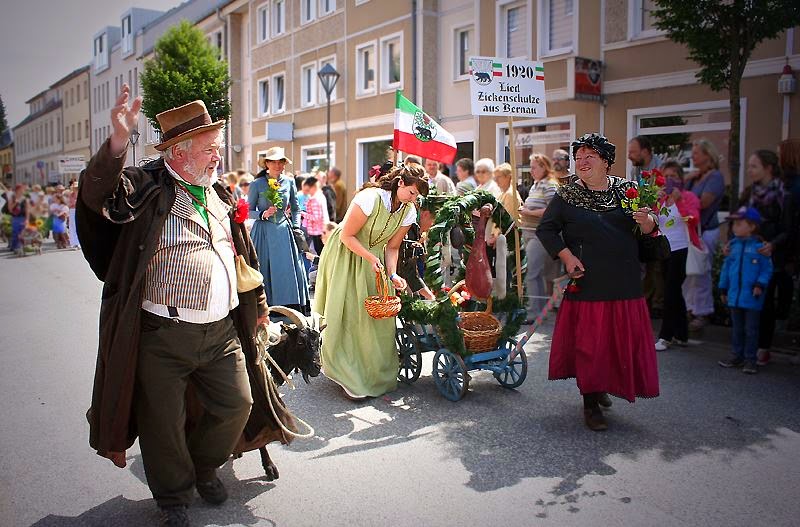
(172, 325)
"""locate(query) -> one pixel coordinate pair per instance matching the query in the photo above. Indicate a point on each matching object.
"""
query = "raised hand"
(124, 119)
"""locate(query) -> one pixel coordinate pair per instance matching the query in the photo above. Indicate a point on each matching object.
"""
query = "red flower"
(242, 211)
(465, 295)
(445, 289)
(660, 181)
(632, 193)
(646, 174)
(573, 288)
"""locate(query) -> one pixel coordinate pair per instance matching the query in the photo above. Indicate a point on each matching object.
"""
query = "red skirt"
(606, 346)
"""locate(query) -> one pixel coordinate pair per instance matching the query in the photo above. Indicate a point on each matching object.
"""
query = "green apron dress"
(358, 351)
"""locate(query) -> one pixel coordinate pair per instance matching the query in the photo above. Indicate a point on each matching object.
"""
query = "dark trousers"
(777, 304)
(674, 323)
(316, 241)
(745, 333)
(170, 355)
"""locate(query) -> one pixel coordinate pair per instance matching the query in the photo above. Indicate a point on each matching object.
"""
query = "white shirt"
(674, 228)
(491, 187)
(366, 202)
(222, 295)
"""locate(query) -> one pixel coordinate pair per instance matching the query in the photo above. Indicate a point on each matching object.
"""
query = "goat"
(296, 349)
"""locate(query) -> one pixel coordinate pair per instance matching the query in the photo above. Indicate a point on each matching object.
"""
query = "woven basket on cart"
(481, 329)
(382, 305)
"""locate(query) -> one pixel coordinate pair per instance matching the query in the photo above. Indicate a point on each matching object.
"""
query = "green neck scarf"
(199, 192)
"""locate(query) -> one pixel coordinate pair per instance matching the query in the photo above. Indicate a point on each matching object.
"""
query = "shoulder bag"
(697, 260)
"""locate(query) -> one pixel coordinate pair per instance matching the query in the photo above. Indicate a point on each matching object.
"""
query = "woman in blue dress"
(279, 259)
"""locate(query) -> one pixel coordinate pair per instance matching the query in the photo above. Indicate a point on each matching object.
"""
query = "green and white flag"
(416, 133)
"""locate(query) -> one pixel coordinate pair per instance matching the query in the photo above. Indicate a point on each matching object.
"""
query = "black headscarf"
(598, 143)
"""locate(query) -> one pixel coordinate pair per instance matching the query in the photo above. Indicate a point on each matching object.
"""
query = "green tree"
(3, 120)
(720, 36)
(186, 67)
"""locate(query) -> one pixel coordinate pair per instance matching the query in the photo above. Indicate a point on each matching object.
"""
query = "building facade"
(275, 49)
(38, 140)
(115, 62)
(75, 115)
(648, 84)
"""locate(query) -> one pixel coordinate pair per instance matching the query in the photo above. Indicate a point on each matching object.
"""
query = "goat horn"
(295, 316)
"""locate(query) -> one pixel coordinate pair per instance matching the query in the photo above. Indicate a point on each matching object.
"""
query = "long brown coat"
(120, 216)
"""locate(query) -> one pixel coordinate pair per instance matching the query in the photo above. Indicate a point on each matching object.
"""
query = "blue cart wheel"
(409, 354)
(515, 372)
(450, 375)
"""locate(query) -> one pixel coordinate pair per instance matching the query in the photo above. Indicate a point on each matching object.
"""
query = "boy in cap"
(742, 281)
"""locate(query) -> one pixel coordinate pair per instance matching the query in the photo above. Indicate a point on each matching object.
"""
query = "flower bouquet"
(273, 193)
(646, 193)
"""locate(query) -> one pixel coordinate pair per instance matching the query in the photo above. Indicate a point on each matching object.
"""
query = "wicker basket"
(382, 305)
(481, 329)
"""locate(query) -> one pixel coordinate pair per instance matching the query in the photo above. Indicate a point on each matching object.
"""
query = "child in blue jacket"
(742, 281)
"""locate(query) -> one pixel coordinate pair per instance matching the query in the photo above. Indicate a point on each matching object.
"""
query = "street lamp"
(133, 140)
(328, 77)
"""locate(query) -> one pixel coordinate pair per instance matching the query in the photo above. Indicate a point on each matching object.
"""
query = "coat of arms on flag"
(415, 132)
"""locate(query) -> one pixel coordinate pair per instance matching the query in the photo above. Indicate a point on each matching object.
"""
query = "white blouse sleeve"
(365, 201)
(410, 218)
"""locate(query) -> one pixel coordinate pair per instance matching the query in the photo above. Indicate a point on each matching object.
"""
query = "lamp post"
(133, 140)
(328, 76)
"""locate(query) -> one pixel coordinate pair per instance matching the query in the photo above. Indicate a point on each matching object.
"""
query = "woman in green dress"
(358, 352)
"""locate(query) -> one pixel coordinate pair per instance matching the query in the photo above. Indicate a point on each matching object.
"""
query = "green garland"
(457, 211)
(443, 315)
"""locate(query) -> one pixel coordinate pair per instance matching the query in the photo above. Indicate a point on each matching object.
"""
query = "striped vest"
(179, 274)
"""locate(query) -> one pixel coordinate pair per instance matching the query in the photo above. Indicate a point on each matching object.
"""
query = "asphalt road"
(716, 448)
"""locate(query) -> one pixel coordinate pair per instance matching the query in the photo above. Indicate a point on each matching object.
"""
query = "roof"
(52, 105)
(70, 76)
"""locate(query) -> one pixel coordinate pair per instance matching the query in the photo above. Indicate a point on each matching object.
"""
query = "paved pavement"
(716, 448)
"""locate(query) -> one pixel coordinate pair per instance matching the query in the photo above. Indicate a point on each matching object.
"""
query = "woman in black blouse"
(603, 336)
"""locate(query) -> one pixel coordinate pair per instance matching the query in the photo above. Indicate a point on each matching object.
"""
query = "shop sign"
(71, 164)
(588, 79)
(542, 138)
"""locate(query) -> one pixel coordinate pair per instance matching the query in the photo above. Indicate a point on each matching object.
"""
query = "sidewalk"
(785, 343)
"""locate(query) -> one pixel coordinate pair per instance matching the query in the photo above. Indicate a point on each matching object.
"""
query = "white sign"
(71, 164)
(507, 87)
(542, 138)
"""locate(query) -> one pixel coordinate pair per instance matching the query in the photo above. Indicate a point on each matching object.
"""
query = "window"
(79, 130)
(322, 63)
(308, 11)
(78, 91)
(463, 49)
(327, 7)
(557, 26)
(100, 55)
(263, 23)
(72, 134)
(365, 69)
(391, 63)
(641, 20)
(315, 156)
(370, 151)
(135, 86)
(153, 135)
(127, 36)
(86, 126)
(263, 97)
(278, 17)
(216, 40)
(309, 81)
(514, 31)
(278, 93)
(86, 89)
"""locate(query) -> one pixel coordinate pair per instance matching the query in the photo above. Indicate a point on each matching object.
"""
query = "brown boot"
(595, 419)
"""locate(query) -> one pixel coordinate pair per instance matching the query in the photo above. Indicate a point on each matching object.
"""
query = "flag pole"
(515, 214)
